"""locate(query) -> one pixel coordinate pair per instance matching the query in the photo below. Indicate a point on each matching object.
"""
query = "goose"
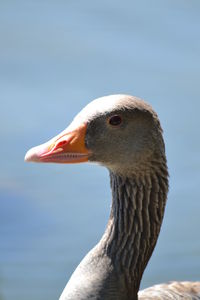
(122, 133)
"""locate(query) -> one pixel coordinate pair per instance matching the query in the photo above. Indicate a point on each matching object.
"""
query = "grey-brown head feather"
(129, 147)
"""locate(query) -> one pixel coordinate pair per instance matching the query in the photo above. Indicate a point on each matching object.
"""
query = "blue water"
(56, 56)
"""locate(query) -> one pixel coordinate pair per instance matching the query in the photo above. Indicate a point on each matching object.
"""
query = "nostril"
(60, 144)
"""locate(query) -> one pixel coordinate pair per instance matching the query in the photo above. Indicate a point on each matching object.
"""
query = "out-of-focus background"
(56, 56)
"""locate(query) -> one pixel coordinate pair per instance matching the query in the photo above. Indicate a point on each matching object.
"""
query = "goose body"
(122, 133)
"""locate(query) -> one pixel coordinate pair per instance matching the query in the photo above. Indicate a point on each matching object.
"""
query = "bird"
(122, 133)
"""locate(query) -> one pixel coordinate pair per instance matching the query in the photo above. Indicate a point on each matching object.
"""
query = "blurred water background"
(55, 57)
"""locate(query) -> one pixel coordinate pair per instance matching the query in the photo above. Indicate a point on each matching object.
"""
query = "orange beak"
(67, 147)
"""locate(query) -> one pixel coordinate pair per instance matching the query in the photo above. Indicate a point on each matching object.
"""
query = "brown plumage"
(122, 133)
(174, 290)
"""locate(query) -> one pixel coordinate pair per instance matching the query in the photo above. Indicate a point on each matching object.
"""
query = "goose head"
(120, 132)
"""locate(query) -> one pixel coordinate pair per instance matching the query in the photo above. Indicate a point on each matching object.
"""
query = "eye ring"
(115, 120)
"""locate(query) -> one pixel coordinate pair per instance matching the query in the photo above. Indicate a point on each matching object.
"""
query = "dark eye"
(115, 120)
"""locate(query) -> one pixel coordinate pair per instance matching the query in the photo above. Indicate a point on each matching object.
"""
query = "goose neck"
(137, 210)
